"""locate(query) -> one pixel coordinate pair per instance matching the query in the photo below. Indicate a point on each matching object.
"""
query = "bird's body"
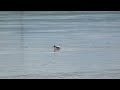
(56, 48)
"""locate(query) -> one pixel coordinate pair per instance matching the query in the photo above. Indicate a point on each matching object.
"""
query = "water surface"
(90, 44)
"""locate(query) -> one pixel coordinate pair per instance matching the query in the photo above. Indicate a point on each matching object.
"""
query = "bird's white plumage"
(57, 47)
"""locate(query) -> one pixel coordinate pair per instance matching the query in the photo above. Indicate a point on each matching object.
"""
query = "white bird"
(56, 48)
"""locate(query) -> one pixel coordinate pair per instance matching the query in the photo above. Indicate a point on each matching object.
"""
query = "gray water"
(90, 44)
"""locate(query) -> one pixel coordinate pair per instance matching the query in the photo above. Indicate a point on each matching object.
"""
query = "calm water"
(90, 44)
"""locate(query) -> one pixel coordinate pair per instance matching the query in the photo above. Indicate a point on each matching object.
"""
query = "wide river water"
(89, 40)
